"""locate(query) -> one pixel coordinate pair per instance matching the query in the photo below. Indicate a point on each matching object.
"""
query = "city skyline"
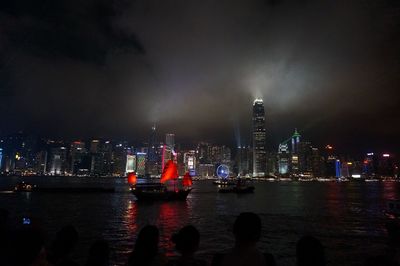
(98, 68)
(23, 155)
(294, 157)
(187, 143)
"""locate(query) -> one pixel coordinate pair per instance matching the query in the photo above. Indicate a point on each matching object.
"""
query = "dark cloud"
(81, 30)
(329, 68)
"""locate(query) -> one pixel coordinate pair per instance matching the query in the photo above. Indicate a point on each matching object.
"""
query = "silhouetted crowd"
(26, 246)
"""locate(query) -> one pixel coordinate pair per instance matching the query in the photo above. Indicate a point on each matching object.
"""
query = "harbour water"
(347, 217)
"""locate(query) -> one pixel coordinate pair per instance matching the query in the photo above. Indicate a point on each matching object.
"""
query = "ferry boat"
(224, 182)
(241, 187)
(342, 179)
(158, 191)
(24, 187)
(169, 187)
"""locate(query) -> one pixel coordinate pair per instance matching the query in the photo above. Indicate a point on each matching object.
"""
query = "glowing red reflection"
(172, 217)
(187, 180)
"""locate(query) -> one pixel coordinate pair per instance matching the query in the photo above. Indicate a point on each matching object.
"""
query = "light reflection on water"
(347, 217)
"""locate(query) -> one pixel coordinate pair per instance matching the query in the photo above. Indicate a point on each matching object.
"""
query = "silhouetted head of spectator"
(99, 254)
(66, 240)
(3, 218)
(26, 246)
(147, 240)
(187, 240)
(310, 252)
(247, 228)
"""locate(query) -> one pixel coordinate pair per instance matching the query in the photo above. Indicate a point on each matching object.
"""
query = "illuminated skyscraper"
(58, 161)
(295, 141)
(153, 159)
(140, 163)
(370, 165)
(130, 164)
(242, 160)
(1, 157)
(151, 155)
(189, 159)
(283, 158)
(170, 140)
(77, 152)
(259, 139)
(203, 152)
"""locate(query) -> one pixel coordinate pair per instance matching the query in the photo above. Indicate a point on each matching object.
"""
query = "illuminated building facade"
(170, 140)
(130, 164)
(329, 168)
(295, 162)
(58, 161)
(220, 155)
(119, 153)
(203, 151)
(295, 142)
(1, 157)
(344, 171)
(386, 166)
(283, 159)
(41, 162)
(102, 163)
(154, 154)
(242, 160)
(140, 163)
(316, 162)
(338, 168)
(304, 151)
(94, 146)
(77, 153)
(167, 154)
(369, 165)
(259, 139)
(206, 170)
(189, 159)
(152, 146)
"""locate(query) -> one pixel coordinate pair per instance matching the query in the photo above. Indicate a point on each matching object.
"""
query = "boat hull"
(147, 194)
(224, 182)
(236, 190)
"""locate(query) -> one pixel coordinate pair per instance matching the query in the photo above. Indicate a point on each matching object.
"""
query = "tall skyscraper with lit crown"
(259, 139)
(170, 140)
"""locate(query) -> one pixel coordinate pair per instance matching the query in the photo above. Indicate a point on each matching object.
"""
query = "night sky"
(102, 68)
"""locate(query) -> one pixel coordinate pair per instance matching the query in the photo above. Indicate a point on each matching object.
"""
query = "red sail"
(170, 172)
(187, 180)
(132, 178)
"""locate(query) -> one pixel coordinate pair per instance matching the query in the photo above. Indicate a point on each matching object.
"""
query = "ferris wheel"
(223, 171)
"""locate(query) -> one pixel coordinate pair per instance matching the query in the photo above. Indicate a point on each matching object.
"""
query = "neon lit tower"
(1, 157)
(295, 141)
(259, 139)
(283, 157)
(170, 140)
(151, 151)
(338, 169)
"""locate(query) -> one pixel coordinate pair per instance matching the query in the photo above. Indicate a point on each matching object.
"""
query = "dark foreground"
(346, 217)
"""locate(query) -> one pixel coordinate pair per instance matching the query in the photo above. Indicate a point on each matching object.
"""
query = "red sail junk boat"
(167, 189)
